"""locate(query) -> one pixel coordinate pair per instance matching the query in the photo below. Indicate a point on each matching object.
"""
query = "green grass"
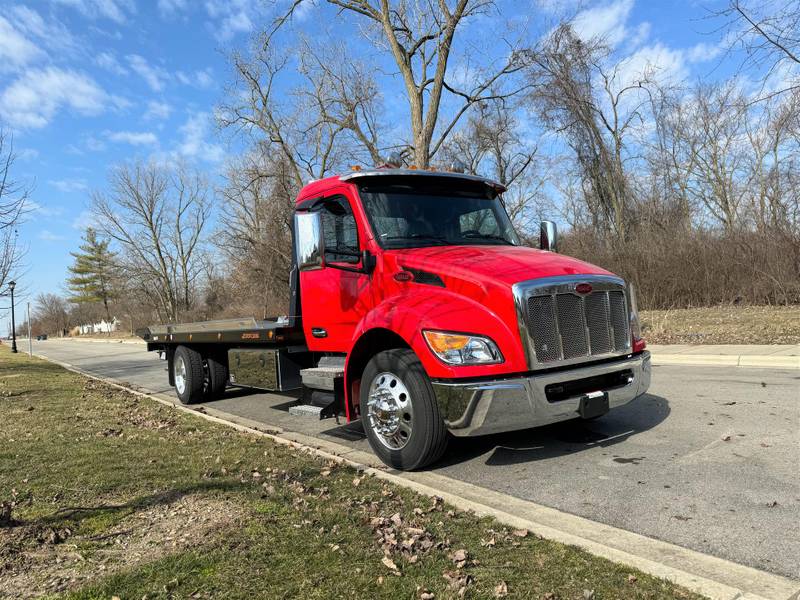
(121, 496)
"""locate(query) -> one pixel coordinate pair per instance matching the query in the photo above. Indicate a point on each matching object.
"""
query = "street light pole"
(11, 286)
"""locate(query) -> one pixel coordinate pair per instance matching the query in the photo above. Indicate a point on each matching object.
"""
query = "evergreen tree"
(92, 272)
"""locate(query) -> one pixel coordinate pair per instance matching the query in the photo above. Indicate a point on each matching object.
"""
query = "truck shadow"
(561, 439)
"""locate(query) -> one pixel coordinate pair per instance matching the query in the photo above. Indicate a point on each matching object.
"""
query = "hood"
(497, 264)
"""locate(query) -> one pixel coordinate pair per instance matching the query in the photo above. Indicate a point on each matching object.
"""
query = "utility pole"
(11, 286)
(30, 340)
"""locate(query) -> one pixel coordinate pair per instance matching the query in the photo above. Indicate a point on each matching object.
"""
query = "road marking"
(716, 578)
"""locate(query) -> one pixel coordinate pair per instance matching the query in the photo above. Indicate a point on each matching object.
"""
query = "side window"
(482, 221)
(339, 229)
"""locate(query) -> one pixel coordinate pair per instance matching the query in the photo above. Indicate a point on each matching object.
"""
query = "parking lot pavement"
(707, 460)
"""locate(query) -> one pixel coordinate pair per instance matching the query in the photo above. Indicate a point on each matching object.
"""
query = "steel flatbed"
(246, 331)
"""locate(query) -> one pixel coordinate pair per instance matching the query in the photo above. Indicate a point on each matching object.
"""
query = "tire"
(189, 375)
(217, 372)
(399, 411)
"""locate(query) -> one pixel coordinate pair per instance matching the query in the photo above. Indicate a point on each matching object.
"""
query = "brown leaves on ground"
(36, 561)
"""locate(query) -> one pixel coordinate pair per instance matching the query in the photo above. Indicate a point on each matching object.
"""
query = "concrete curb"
(713, 577)
(109, 341)
(723, 360)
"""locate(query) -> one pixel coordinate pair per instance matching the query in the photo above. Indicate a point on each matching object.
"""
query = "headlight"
(636, 329)
(463, 349)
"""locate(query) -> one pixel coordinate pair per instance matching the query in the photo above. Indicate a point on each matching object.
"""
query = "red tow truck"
(416, 309)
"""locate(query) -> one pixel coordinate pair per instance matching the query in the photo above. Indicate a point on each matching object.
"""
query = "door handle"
(319, 332)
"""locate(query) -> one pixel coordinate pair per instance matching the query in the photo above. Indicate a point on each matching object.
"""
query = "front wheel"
(399, 411)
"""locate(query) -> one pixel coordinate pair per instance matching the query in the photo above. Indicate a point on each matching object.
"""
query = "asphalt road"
(709, 459)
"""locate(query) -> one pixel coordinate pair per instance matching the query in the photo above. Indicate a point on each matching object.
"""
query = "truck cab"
(417, 310)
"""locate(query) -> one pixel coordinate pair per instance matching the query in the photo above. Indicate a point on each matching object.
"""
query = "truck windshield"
(405, 215)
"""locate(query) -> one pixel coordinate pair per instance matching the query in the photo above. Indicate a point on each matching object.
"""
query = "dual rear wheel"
(198, 377)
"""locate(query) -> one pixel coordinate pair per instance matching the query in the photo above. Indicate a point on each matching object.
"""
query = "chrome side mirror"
(309, 241)
(548, 236)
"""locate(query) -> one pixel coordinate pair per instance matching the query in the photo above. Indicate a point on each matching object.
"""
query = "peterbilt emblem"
(583, 288)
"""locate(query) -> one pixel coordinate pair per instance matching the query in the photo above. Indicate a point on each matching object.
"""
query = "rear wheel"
(189, 375)
(216, 370)
(399, 411)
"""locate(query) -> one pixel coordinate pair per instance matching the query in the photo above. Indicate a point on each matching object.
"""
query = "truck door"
(335, 297)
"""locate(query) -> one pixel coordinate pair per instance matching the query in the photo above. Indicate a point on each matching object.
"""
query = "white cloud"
(153, 76)
(85, 219)
(167, 8)
(116, 10)
(16, 50)
(34, 98)
(607, 22)
(49, 236)
(135, 138)
(69, 186)
(203, 79)
(703, 52)
(94, 144)
(109, 62)
(45, 211)
(28, 154)
(157, 110)
(194, 143)
(231, 18)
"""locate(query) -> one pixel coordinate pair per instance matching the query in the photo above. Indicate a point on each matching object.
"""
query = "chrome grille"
(542, 318)
(563, 327)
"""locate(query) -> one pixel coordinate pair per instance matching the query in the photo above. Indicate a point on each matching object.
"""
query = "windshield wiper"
(419, 236)
(487, 236)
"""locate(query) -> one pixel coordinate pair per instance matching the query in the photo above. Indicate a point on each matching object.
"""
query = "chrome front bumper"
(519, 403)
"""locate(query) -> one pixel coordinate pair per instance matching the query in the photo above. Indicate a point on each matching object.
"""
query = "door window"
(339, 229)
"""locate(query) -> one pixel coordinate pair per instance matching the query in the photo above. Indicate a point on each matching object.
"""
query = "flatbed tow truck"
(415, 309)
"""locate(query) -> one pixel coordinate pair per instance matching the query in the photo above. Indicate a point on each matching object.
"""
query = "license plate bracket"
(593, 404)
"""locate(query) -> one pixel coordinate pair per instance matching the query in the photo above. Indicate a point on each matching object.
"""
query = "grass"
(114, 495)
(723, 325)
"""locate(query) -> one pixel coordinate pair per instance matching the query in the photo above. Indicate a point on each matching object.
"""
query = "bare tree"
(156, 216)
(323, 122)
(420, 37)
(254, 232)
(51, 314)
(769, 34)
(716, 135)
(491, 143)
(13, 199)
(595, 122)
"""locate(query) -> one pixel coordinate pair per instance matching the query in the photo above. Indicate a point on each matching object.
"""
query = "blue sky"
(85, 84)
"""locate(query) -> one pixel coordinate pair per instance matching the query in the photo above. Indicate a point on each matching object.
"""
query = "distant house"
(102, 327)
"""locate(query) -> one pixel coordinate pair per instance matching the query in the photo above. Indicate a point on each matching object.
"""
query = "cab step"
(322, 378)
(307, 410)
(318, 404)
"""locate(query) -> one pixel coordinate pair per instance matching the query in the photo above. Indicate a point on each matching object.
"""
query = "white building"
(102, 327)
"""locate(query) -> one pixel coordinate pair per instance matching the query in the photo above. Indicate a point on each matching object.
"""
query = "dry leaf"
(501, 590)
(631, 578)
(389, 563)
(520, 532)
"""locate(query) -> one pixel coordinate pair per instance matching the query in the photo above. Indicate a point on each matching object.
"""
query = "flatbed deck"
(278, 331)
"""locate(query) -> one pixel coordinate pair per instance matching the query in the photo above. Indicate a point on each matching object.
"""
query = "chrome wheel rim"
(180, 374)
(390, 414)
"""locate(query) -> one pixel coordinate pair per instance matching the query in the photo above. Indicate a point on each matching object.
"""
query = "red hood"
(501, 264)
